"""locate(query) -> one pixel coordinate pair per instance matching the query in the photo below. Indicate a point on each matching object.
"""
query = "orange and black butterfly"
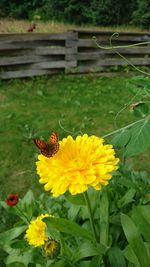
(50, 148)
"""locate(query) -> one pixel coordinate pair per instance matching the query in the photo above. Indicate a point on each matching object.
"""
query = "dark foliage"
(97, 12)
(141, 16)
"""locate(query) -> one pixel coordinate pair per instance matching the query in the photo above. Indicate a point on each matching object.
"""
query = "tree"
(141, 16)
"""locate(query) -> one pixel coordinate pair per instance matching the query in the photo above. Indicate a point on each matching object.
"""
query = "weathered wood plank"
(105, 42)
(25, 73)
(122, 36)
(140, 51)
(87, 43)
(120, 62)
(18, 37)
(39, 51)
(135, 61)
(54, 50)
(51, 65)
(5, 61)
(31, 44)
(101, 32)
(97, 55)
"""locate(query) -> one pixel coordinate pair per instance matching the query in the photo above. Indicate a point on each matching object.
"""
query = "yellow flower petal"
(35, 234)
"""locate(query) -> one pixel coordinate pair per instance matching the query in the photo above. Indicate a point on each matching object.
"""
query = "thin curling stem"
(116, 34)
(90, 216)
(111, 47)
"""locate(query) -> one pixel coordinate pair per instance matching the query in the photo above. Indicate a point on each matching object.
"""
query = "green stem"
(123, 128)
(90, 216)
(20, 211)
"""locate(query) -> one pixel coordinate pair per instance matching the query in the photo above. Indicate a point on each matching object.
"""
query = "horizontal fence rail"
(32, 54)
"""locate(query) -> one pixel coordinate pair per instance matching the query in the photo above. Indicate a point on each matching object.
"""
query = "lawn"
(66, 104)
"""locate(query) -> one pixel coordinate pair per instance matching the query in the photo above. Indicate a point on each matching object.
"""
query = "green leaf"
(65, 248)
(121, 139)
(96, 261)
(141, 214)
(147, 245)
(60, 263)
(131, 256)
(104, 218)
(88, 249)
(27, 204)
(73, 212)
(35, 256)
(16, 264)
(16, 256)
(140, 138)
(28, 198)
(52, 232)
(135, 240)
(77, 199)
(86, 263)
(11, 234)
(116, 257)
(68, 227)
(127, 198)
(31, 256)
(139, 109)
(19, 244)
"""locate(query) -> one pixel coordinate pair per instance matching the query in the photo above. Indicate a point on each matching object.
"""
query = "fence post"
(71, 51)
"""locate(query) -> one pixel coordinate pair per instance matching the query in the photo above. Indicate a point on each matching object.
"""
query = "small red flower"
(12, 199)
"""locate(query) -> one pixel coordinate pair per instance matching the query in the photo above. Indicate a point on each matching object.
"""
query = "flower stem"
(90, 216)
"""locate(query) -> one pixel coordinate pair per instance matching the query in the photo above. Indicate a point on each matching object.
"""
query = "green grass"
(66, 104)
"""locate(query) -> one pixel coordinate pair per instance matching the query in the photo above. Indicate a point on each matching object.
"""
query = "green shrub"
(141, 16)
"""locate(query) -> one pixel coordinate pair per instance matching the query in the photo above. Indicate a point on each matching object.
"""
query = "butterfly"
(50, 148)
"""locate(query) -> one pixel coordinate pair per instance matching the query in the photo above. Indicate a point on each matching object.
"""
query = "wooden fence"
(32, 54)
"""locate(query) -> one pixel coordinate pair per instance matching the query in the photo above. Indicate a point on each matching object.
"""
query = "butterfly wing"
(42, 146)
(50, 148)
(53, 143)
(40, 143)
(53, 139)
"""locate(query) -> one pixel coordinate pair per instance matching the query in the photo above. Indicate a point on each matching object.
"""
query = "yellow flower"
(85, 161)
(51, 248)
(35, 234)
